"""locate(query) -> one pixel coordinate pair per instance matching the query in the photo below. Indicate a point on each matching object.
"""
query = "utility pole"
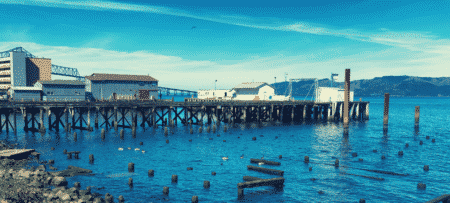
(275, 79)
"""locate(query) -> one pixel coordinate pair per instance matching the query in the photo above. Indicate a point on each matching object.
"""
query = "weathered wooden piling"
(254, 138)
(383, 157)
(421, 142)
(130, 182)
(121, 134)
(174, 178)
(306, 159)
(167, 141)
(52, 148)
(400, 153)
(130, 167)
(310, 168)
(386, 109)
(208, 129)
(354, 154)
(265, 170)
(427, 137)
(75, 136)
(200, 129)
(191, 131)
(121, 199)
(65, 151)
(190, 168)
(406, 145)
(194, 199)
(417, 115)
(103, 134)
(206, 184)
(426, 168)
(69, 155)
(166, 190)
(214, 128)
(51, 161)
(141, 143)
(76, 154)
(362, 201)
(421, 186)
(213, 173)
(91, 158)
(336, 163)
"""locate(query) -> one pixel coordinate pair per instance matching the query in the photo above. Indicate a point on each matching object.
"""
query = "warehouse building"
(61, 90)
(25, 93)
(255, 91)
(215, 94)
(332, 94)
(121, 87)
(20, 70)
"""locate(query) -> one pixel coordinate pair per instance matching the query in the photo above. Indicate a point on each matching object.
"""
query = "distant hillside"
(394, 85)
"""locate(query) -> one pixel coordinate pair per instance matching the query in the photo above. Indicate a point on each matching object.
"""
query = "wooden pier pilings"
(125, 114)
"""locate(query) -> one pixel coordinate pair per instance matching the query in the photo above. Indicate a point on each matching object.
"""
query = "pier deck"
(153, 113)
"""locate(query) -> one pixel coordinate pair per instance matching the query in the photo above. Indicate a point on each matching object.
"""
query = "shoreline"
(22, 183)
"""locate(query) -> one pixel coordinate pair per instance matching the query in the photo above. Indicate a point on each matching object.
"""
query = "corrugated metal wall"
(26, 95)
(107, 89)
(63, 94)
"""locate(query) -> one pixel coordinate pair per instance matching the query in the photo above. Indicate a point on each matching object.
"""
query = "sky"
(191, 44)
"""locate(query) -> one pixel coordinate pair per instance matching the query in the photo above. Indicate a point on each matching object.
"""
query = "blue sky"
(190, 44)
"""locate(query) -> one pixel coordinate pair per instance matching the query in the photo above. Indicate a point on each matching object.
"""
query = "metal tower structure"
(315, 85)
(334, 78)
(56, 70)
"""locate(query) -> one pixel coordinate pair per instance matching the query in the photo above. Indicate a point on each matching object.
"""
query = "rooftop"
(102, 76)
(250, 85)
(61, 82)
(26, 88)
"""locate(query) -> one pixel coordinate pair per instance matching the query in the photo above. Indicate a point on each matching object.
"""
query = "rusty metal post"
(386, 109)
(346, 95)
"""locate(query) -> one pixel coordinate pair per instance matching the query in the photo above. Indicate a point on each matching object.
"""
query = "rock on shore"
(19, 184)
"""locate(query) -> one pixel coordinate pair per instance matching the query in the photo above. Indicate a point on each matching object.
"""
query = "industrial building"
(254, 91)
(114, 86)
(25, 93)
(61, 90)
(19, 70)
(215, 94)
(332, 94)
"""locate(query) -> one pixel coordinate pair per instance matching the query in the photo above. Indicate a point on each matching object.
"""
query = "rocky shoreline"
(20, 183)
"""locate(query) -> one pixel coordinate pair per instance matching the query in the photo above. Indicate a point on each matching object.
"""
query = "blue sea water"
(321, 141)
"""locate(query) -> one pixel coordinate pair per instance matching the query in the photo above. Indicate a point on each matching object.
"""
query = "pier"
(154, 113)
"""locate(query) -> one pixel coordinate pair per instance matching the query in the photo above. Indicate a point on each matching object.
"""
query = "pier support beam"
(367, 111)
(357, 112)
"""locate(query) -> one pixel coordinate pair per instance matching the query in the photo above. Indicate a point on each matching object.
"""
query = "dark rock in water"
(321, 192)
(313, 179)
(333, 157)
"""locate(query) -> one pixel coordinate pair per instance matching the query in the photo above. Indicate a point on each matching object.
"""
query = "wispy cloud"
(383, 36)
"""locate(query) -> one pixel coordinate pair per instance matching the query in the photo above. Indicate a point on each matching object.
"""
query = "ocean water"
(321, 141)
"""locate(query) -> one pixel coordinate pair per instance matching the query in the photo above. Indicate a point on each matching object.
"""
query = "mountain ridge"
(407, 86)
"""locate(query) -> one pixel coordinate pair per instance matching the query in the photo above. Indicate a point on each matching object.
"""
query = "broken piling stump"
(265, 162)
